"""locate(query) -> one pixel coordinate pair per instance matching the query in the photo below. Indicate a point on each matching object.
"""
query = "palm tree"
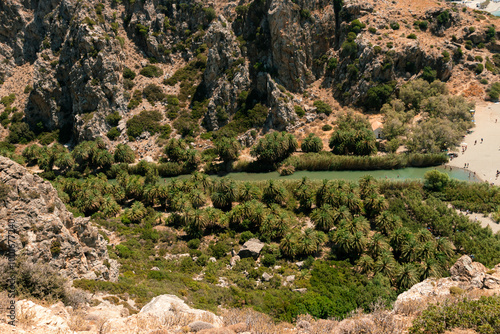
(367, 186)
(409, 251)
(430, 268)
(342, 213)
(322, 193)
(358, 243)
(123, 153)
(248, 192)
(135, 187)
(423, 235)
(274, 193)
(288, 245)
(224, 194)
(102, 159)
(343, 239)
(365, 264)
(443, 245)
(32, 153)
(259, 212)
(426, 250)
(385, 265)
(353, 203)
(213, 217)
(374, 204)
(324, 217)
(387, 222)
(198, 198)
(358, 224)
(136, 212)
(109, 207)
(398, 238)
(305, 196)
(196, 222)
(64, 161)
(377, 245)
(312, 143)
(406, 276)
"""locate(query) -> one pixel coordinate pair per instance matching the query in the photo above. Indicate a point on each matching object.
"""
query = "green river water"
(411, 173)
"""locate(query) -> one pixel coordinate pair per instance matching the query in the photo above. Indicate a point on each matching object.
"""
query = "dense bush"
(113, 118)
(312, 143)
(322, 107)
(378, 95)
(128, 73)
(228, 149)
(480, 315)
(151, 71)
(274, 147)
(153, 93)
(353, 136)
(147, 120)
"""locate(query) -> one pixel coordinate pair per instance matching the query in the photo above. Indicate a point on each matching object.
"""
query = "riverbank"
(483, 147)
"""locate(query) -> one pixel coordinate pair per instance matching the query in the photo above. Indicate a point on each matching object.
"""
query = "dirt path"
(483, 156)
(485, 221)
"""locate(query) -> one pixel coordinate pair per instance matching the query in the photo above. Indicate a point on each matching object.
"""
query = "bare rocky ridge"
(275, 50)
(46, 231)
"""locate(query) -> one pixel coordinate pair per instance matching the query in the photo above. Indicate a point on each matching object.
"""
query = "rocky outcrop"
(251, 248)
(46, 232)
(226, 74)
(466, 275)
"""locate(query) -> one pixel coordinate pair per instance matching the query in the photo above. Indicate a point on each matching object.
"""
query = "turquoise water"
(497, 13)
(411, 173)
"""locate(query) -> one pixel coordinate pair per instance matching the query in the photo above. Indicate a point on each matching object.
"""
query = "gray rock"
(251, 248)
(466, 270)
(41, 220)
(266, 277)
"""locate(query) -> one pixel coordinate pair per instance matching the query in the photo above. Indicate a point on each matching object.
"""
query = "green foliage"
(123, 153)
(353, 136)
(479, 68)
(332, 64)
(274, 147)
(435, 180)
(113, 118)
(394, 25)
(228, 149)
(429, 74)
(326, 127)
(322, 107)
(142, 29)
(147, 120)
(411, 36)
(153, 93)
(480, 315)
(312, 143)
(113, 133)
(494, 91)
(443, 18)
(151, 71)
(299, 111)
(378, 95)
(20, 133)
(128, 73)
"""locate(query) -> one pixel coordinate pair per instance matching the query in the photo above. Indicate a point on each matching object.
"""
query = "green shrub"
(377, 96)
(322, 107)
(194, 243)
(353, 136)
(429, 74)
(494, 91)
(299, 111)
(153, 93)
(435, 180)
(394, 25)
(151, 71)
(55, 248)
(274, 147)
(145, 121)
(128, 73)
(113, 133)
(113, 118)
(372, 30)
(312, 143)
(411, 36)
(332, 64)
(479, 68)
(326, 127)
(245, 236)
(443, 18)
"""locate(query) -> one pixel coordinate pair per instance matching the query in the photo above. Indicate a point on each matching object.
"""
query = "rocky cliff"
(45, 231)
(267, 52)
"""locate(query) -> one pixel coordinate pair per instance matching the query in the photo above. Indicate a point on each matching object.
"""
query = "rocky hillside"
(225, 64)
(46, 232)
(170, 314)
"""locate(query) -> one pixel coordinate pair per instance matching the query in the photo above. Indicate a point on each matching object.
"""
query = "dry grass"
(25, 317)
(78, 322)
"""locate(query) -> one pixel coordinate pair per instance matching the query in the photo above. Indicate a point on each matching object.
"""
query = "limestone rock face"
(226, 74)
(46, 231)
(465, 275)
(251, 248)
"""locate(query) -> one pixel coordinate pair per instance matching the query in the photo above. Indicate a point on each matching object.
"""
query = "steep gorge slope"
(247, 60)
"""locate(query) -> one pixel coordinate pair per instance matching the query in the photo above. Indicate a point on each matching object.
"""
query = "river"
(410, 173)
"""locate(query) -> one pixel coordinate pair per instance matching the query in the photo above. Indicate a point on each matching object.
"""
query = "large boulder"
(45, 231)
(465, 270)
(251, 248)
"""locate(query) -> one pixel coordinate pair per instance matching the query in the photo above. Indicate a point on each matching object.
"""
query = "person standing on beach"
(481, 140)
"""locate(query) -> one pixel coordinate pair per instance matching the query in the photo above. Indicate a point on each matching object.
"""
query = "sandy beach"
(492, 7)
(483, 156)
